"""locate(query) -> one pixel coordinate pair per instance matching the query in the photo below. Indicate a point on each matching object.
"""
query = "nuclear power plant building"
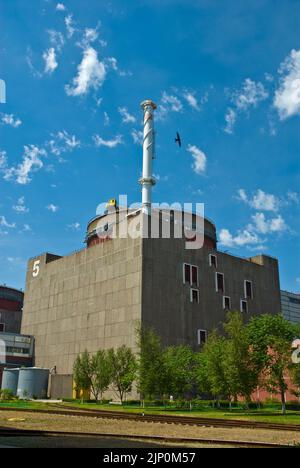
(96, 298)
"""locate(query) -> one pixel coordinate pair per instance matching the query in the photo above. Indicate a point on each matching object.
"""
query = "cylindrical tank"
(10, 380)
(33, 383)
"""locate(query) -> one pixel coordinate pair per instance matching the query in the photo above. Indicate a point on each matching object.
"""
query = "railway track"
(189, 420)
(162, 419)
(13, 433)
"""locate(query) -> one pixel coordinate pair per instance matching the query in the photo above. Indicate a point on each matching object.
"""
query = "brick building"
(11, 306)
(16, 350)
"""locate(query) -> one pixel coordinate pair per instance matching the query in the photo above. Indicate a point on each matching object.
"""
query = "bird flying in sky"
(178, 139)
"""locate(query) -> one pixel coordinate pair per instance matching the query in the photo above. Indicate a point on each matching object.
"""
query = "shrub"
(6, 395)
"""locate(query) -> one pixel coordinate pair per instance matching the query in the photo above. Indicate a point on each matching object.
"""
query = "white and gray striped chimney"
(147, 180)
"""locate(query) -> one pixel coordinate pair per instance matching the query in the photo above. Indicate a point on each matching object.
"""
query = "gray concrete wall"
(61, 386)
(166, 300)
(87, 300)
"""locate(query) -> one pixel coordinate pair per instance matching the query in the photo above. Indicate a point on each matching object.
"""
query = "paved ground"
(71, 442)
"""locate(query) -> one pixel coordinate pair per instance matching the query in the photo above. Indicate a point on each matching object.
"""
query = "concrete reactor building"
(152, 266)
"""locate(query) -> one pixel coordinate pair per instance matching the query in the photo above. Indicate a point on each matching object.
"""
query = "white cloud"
(260, 200)
(242, 195)
(251, 235)
(26, 228)
(3, 159)
(269, 77)
(160, 178)
(113, 143)
(60, 7)
(137, 136)
(70, 25)
(287, 96)
(265, 201)
(20, 207)
(10, 119)
(32, 162)
(52, 208)
(298, 280)
(112, 63)
(91, 74)
(200, 159)
(264, 226)
(29, 60)
(172, 102)
(191, 100)
(106, 119)
(74, 226)
(62, 142)
(278, 224)
(243, 238)
(249, 95)
(90, 35)
(293, 197)
(70, 140)
(57, 39)
(126, 116)
(49, 57)
(230, 119)
(6, 224)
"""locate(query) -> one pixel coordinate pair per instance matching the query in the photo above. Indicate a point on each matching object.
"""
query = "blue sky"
(225, 74)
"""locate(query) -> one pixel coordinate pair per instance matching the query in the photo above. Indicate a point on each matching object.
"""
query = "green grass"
(22, 404)
(271, 414)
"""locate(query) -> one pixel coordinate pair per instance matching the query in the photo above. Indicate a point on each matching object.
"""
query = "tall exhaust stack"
(147, 180)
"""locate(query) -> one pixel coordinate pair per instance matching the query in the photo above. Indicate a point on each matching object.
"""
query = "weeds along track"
(155, 418)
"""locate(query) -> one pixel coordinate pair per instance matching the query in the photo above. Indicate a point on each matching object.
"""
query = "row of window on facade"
(191, 277)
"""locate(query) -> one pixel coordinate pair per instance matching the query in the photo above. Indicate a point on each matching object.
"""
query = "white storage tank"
(33, 383)
(10, 379)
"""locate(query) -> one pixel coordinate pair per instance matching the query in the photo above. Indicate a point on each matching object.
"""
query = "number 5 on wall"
(36, 268)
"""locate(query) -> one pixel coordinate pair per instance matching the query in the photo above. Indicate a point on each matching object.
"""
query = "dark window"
(2, 327)
(248, 290)
(220, 287)
(191, 274)
(227, 303)
(194, 275)
(244, 307)
(12, 350)
(187, 273)
(293, 300)
(202, 336)
(195, 296)
(213, 260)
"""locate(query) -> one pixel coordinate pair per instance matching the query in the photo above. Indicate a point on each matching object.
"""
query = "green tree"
(242, 370)
(123, 367)
(81, 372)
(271, 337)
(151, 375)
(210, 371)
(178, 365)
(295, 376)
(100, 373)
